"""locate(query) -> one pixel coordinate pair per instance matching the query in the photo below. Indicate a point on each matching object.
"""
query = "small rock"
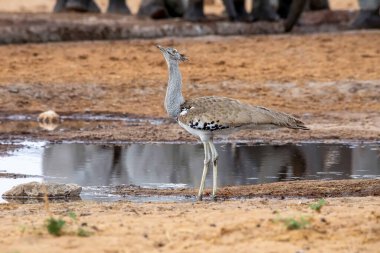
(48, 126)
(48, 117)
(37, 190)
(48, 120)
(83, 57)
(13, 90)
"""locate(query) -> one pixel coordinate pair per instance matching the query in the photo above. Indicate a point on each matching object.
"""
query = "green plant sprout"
(80, 231)
(72, 215)
(318, 205)
(55, 226)
(294, 224)
(83, 232)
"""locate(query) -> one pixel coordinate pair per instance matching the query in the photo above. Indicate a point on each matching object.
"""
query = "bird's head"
(171, 54)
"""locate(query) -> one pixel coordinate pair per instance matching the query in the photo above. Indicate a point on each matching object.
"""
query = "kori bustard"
(206, 117)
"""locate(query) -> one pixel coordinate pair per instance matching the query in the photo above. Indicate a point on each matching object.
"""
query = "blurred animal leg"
(194, 11)
(118, 7)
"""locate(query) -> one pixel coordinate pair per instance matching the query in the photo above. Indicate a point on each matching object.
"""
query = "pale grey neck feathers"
(174, 98)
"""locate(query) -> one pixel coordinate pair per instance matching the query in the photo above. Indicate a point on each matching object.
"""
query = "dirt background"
(349, 224)
(329, 80)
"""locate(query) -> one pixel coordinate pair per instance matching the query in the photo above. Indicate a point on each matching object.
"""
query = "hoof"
(366, 20)
(59, 6)
(263, 11)
(82, 6)
(118, 7)
(192, 18)
(200, 198)
(243, 18)
(153, 9)
(124, 11)
(159, 13)
(214, 198)
(316, 5)
(265, 16)
(194, 12)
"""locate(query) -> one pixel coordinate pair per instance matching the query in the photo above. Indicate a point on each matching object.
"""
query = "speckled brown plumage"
(217, 113)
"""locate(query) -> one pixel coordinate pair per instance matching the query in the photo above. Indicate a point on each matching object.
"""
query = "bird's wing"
(213, 113)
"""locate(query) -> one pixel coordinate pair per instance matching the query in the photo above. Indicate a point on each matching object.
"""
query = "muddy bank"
(15, 175)
(329, 128)
(305, 189)
(5, 148)
(27, 27)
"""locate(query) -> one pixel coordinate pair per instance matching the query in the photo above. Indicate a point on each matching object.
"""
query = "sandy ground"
(331, 81)
(343, 225)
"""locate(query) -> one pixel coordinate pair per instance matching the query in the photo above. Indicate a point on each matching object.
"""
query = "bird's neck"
(174, 98)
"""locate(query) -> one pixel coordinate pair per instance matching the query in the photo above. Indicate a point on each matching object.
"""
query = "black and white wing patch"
(190, 117)
(208, 126)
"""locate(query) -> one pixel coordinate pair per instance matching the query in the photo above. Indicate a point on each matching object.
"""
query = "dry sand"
(344, 225)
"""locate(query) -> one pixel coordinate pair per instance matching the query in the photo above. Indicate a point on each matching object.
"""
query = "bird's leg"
(214, 159)
(205, 168)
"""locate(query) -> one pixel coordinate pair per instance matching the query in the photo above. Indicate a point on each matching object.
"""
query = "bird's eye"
(174, 50)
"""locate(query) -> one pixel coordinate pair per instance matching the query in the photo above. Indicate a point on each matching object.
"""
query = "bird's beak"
(162, 49)
(184, 58)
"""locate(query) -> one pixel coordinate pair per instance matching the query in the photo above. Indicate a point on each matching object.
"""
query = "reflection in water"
(48, 126)
(162, 164)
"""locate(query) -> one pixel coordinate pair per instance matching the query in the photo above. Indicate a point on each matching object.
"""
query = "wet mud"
(15, 175)
(295, 189)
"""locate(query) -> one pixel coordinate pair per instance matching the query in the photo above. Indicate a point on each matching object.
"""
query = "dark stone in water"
(38, 190)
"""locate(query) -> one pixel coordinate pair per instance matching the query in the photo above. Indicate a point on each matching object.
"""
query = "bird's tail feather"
(286, 120)
(299, 126)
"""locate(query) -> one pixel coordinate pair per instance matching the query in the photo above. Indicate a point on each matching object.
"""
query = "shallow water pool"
(163, 165)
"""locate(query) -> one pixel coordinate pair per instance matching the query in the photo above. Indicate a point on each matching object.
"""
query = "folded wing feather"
(231, 113)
